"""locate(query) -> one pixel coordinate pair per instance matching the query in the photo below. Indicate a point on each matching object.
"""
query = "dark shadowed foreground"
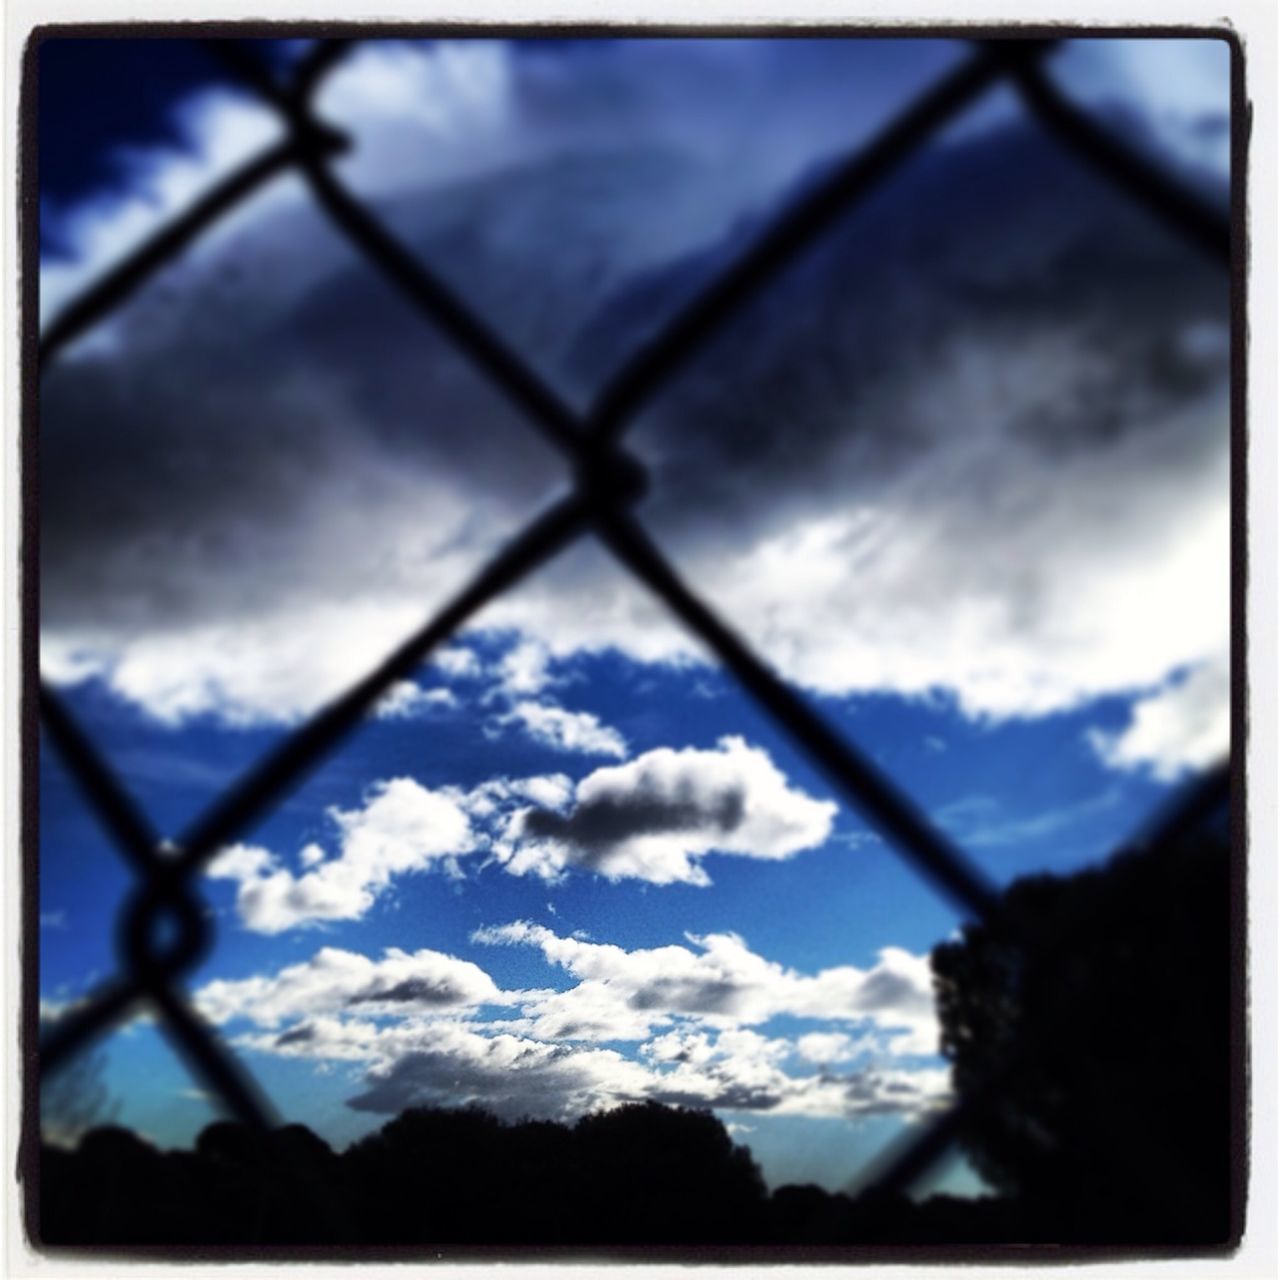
(1095, 1082)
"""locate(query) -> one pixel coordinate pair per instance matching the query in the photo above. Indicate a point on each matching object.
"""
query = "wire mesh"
(606, 482)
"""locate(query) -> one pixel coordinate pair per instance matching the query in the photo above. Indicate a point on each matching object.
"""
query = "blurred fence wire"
(163, 930)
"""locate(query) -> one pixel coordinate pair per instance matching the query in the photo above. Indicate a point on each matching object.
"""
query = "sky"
(960, 475)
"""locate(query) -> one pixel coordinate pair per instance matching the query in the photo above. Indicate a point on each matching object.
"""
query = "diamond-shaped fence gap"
(821, 324)
(580, 603)
(593, 620)
(273, 512)
(1059, 484)
(482, 200)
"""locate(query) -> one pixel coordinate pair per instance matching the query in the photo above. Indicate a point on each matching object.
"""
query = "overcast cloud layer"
(975, 443)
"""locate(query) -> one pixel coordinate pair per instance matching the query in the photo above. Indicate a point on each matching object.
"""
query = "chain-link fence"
(163, 930)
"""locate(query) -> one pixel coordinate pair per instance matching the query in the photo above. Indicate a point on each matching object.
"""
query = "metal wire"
(605, 484)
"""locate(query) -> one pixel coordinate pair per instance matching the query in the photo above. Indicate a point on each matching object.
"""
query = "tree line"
(1095, 1069)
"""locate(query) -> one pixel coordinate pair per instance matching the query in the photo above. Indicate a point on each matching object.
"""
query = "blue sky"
(960, 475)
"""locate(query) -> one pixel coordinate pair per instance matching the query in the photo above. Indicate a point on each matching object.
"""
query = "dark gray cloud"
(687, 995)
(656, 816)
(732, 1096)
(413, 991)
(597, 826)
(303, 1033)
(893, 989)
(538, 1080)
(996, 350)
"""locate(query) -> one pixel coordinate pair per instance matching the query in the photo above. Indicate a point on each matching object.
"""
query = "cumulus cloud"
(523, 668)
(334, 981)
(824, 1047)
(500, 796)
(511, 1075)
(564, 730)
(457, 662)
(450, 1063)
(431, 1027)
(1013, 482)
(624, 995)
(656, 817)
(1184, 725)
(741, 1070)
(403, 827)
(653, 819)
(406, 700)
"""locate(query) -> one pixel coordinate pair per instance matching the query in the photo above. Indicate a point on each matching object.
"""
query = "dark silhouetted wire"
(100, 1012)
(1171, 202)
(899, 1168)
(912, 1155)
(217, 1069)
(405, 273)
(444, 308)
(795, 230)
(105, 793)
(124, 280)
(316, 64)
(870, 791)
(302, 750)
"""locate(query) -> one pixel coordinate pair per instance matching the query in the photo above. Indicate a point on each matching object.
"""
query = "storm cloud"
(974, 443)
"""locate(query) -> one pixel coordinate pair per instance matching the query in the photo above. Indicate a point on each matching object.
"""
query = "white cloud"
(334, 981)
(564, 730)
(652, 819)
(424, 1026)
(451, 1063)
(1183, 726)
(266, 669)
(499, 796)
(403, 827)
(248, 862)
(624, 995)
(523, 669)
(656, 817)
(449, 92)
(825, 1047)
(405, 700)
(457, 662)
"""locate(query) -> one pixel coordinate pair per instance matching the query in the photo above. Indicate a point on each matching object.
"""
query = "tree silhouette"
(644, 1162)
(1098, 1069)
(76, 1099)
